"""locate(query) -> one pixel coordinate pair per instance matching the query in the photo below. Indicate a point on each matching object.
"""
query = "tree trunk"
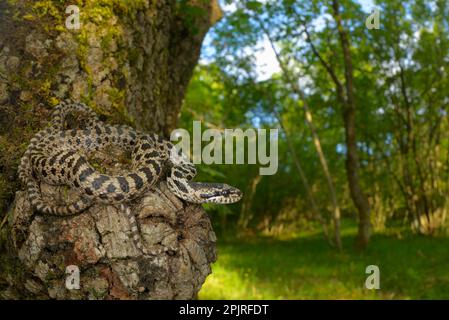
(352, 160)
(315, 209)
(308, 115)
(245, 213)
(131, 62)
(333, 194)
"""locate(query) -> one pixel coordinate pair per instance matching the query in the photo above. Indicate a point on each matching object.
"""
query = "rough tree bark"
(130, 61)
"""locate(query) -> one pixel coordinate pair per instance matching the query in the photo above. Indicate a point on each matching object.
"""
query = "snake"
(59, 156)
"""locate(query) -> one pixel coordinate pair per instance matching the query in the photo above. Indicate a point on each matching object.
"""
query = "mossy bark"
(130, 61)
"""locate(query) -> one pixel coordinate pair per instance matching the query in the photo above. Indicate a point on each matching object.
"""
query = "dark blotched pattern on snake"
(59, 156)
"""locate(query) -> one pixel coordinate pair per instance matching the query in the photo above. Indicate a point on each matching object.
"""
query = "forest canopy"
(387, 86)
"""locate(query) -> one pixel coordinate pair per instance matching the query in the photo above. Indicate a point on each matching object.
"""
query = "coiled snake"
(58, 156)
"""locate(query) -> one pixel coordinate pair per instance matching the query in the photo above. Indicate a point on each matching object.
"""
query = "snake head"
(221, 193)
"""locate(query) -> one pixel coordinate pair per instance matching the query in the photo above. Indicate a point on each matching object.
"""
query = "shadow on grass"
(414, 267)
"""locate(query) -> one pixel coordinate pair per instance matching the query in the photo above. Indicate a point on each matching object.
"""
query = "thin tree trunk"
(345, 96)
(316, 140)
(411, 145)
(352, 161)
(245, 213)
(308, 115)
(316, 211)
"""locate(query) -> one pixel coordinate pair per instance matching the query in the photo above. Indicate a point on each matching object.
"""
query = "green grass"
(411, 267)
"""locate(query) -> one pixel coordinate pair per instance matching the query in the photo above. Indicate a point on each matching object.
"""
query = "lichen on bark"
(130, 61)
(99, 243)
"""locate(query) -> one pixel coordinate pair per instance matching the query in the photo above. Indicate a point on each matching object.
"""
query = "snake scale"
(59, 156)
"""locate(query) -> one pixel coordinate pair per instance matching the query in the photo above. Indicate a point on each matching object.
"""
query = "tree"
(394, 122)
(130, 61)
(349, 109)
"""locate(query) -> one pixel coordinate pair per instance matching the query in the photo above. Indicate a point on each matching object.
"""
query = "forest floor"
(304, 267)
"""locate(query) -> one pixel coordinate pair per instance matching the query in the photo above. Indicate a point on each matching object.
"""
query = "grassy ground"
(411, 267)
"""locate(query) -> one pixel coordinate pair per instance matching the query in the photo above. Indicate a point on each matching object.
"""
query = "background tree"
(377, 98)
